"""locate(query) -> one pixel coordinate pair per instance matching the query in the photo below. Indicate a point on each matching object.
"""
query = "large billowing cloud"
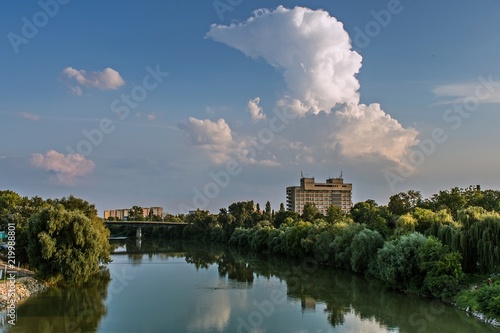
(366, 130)
(214, 138)
(67, 168)
(311, 47)
(319, 68)
(108, 79)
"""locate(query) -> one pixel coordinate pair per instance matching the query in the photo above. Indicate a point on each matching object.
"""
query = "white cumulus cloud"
(255, 109)
(319, 68)
(107, 79)
(368, 130)
(67, 168)
(310, 46)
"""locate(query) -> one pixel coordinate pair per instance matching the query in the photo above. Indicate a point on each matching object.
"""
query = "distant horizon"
(101, 210)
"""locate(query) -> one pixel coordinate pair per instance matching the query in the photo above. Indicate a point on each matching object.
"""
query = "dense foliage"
(67, 245)
(62, 239)
(413, 244)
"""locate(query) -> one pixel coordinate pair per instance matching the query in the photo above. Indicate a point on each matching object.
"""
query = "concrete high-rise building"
(323, 195)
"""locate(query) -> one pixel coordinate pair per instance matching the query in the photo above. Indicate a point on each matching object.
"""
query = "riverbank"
(25, 286)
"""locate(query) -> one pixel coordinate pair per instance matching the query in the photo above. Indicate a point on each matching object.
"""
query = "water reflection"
(185, 287)
(64, 310)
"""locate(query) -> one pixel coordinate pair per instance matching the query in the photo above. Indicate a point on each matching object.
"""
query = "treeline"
(426, 246)
(63, 240)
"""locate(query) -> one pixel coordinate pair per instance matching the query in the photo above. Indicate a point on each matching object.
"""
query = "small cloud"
(29, 116)
(107, 79)
(76, 90)
(481, 91)
(151, 117)
(214, 138)
(67, 168)
(255, 109)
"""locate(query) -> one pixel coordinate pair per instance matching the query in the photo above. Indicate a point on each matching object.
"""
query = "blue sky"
(396, 94)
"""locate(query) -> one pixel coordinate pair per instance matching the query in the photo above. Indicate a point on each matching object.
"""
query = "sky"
(199, 104)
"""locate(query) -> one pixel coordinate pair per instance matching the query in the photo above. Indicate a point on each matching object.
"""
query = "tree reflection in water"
(71, 310)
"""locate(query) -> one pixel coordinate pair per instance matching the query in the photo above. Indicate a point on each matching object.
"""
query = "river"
(175, 287)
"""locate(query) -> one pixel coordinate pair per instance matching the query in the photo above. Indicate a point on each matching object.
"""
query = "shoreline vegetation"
(446, 247)
(26, 285)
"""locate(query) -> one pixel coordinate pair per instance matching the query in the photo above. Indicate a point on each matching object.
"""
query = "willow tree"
(479, 239)
(67, 246)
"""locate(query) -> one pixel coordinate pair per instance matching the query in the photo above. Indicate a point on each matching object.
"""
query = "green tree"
(334, 214)
(372, 215)
(441, 267)
(363, 246)
(397, 262)
(67, 246)
(267, 211)
(404, 202)
(242, 212)
(282, 208)
(309, 212)
(73, 203)
(406, 224)
(282, 215)
(341, 245)
(136, 214)
(452, 200)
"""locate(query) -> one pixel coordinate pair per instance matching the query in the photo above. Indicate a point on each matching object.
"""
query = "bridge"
(140, 224)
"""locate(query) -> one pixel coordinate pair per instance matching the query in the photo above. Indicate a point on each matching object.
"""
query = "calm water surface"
(187, 288)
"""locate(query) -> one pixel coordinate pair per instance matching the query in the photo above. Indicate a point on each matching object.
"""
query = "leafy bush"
(485, 299)
(363, 246)
(342, 245)
(396, 262)
(67, 246)
(442, 269)
(294, 235)
(260, 238)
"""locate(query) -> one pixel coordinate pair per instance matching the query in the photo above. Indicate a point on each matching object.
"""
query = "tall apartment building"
(323, 195)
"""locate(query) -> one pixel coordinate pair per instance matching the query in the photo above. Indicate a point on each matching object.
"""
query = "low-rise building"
(123, 214)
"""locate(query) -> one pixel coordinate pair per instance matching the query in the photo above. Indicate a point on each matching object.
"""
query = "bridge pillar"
(138, 233)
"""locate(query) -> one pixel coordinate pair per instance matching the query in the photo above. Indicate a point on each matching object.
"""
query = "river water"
(189, 288)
